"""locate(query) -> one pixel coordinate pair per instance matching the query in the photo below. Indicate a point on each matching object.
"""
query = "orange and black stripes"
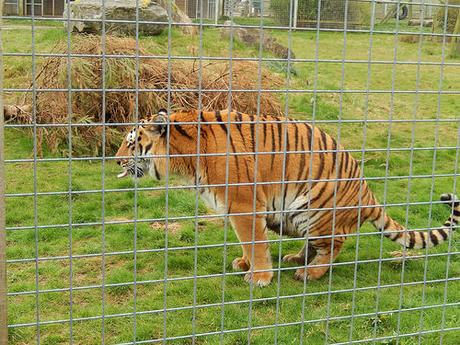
(419, 239)
(333, 183)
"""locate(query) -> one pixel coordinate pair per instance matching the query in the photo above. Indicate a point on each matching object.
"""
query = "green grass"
(86, 241)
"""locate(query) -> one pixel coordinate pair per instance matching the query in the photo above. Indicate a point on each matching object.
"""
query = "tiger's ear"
(163, 112)
(156, 124)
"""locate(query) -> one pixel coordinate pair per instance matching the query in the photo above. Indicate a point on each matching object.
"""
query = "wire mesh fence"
(219, 112)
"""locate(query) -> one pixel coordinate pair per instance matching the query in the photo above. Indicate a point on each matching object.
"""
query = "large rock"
(90, 13)
(179, 16)
(251, 36)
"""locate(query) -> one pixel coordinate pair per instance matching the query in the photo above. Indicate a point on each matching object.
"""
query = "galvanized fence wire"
(281, 294)
(419, 54)
(438, 109)
(35, 155)
(70, 172)
(3, 277)
(393, 77)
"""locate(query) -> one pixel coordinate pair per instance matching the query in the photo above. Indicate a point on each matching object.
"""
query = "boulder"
(416, 22)
(89, 13)
(251, 36)
(179, 16)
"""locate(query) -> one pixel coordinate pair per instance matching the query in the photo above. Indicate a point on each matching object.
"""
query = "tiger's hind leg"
(299, 258)
(325, 255)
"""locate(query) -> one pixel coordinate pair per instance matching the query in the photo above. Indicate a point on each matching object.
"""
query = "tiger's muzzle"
(130, 168)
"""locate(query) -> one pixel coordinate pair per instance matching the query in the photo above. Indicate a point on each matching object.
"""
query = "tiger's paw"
(240, 264)
(294, 258)
(259, 278)
(309, 273)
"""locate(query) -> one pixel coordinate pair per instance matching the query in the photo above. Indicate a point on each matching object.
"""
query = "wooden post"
(3, 311)
(455, 43)
(216, 11)
(294, 18)
(410, 10)
(21, 11)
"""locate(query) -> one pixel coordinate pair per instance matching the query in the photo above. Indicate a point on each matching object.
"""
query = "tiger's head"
(134, 154)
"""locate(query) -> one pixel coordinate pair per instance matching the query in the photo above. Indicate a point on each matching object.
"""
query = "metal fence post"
(3, 312)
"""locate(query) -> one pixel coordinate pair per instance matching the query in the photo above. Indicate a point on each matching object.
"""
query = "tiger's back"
(293, 166)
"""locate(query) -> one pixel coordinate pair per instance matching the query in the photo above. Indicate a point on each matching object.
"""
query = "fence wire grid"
(92, 259)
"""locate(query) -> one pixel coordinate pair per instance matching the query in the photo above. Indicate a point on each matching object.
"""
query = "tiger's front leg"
(256, 252)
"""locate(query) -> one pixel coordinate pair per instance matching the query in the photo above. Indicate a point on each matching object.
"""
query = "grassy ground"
(328, 303)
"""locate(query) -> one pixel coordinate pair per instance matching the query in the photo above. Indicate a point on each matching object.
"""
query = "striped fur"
(322, 198)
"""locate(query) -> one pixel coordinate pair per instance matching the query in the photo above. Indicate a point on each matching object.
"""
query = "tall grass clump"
(180, 81)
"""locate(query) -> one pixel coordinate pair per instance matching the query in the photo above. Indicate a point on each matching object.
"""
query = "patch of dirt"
(215, 220)
(400, 256)
(408, 254)
(173, 227)
(118, 219)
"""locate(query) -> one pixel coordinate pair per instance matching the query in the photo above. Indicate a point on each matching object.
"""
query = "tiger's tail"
(419, 239)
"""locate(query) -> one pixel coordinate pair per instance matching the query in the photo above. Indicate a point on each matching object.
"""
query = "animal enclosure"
(93, 259)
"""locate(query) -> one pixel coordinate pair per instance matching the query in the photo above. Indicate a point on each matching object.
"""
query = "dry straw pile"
(120, 73)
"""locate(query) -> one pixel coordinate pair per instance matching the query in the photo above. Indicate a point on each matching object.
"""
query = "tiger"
(270, 173)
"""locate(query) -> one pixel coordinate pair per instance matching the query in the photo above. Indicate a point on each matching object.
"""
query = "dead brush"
(120, 94)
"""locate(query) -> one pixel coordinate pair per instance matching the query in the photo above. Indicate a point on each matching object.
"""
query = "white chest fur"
(212, 201)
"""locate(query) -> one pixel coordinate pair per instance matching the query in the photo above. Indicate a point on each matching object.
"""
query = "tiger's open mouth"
(123, 174)
(132, 170)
